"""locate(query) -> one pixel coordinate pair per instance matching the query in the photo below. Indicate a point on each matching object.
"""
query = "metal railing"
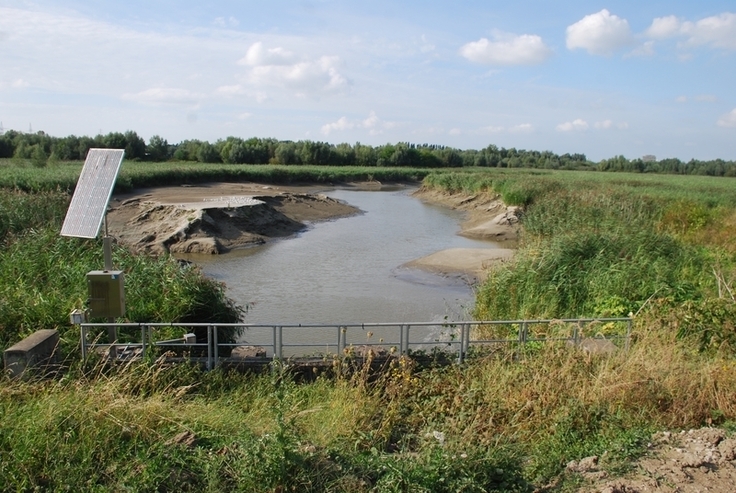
(282, 341)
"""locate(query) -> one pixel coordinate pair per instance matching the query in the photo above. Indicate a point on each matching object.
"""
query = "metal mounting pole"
(107, 248)
(112, 331)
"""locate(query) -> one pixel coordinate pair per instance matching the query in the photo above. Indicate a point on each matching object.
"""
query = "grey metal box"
(106, 293)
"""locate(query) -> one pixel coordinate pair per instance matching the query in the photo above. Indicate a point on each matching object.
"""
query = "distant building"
(648, 158)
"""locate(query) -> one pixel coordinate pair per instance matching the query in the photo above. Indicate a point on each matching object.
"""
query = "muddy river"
(350, 270)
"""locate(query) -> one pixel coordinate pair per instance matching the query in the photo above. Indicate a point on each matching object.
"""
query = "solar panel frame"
(92, 194)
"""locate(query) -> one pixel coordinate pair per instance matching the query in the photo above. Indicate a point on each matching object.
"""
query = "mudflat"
(219, 217)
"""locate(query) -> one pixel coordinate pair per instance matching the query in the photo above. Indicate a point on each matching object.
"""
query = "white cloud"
(341, 124)
(681, 99)
(257, 55)
(372, 120)
(718, 31)
(164, 95)
(664, 27)
(644, 50)
(455, 131)
(728, 120)
(507, 49)
(280, 68)
(374, 124)
(578, 125)
(19, 84)
(599, 34)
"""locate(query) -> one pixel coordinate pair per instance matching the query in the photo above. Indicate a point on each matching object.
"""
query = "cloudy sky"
(601, 78)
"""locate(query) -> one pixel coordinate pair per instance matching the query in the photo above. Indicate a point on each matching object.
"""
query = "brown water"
(349, 270)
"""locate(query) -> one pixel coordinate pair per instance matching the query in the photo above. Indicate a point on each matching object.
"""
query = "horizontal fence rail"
(202, 341)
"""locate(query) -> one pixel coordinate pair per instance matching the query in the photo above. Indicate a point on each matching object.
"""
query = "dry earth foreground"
(693, 461)
(219, 217)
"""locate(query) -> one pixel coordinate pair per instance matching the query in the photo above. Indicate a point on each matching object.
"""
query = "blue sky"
(600, 78)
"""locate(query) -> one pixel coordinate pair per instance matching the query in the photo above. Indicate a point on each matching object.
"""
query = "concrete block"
(35, 353)
(248, 352)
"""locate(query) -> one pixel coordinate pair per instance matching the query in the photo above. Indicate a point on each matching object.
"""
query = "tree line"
(42, 148)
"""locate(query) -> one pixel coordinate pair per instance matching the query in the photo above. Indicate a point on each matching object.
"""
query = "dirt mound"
(689, 461)
(488, 218)
(199, 220)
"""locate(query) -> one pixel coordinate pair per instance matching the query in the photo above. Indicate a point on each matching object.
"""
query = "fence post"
(460, 354)
(406, 332)
(522, 333)
(467, 338)
(216, 346)
(83, 338)
(341, 339)
(143, 341)
(209, 347)
(278, 342)
(628, 334)
(402, 346)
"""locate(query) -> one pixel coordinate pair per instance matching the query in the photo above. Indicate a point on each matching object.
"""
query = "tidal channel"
(349, 270)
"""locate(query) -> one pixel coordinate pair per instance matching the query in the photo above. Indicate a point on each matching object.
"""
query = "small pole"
(460, 354)
(143, 341)
(112, 330)
(107, 248)
(209, 347)
(83, 336)
(280, 343)
(341, 339)
(217, 346)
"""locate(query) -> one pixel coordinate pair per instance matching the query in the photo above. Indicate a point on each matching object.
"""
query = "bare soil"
(216, 218)
(486, 218)
(687, 462)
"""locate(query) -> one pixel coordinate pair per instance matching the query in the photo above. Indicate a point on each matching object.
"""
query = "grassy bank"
(608, 245)
(497, 424)
(593, 244)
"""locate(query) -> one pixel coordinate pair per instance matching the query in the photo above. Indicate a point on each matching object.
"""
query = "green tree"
(135, 146)
(207, 153)
(157, 148)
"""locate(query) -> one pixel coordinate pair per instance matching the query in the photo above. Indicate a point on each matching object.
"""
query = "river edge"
(217, 218)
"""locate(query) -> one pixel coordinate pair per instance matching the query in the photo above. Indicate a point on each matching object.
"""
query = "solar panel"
(94, 188)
